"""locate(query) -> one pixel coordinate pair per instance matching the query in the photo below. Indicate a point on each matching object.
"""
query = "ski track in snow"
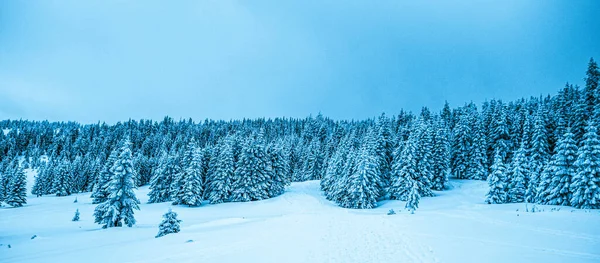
(302, 226)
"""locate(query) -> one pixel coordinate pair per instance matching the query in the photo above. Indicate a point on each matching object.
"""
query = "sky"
(113, 60)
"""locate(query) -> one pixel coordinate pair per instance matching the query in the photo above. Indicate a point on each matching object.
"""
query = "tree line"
(542, 149)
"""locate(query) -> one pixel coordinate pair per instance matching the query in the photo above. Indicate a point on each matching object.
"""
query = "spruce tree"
(251, 178)
(191, 177)
(218, 189)
(169, 225)
(384, 148)
(100, 191)
(539, 153)
(517, 176)
(563, 168)
(461, 148)
(4, 182)
(497, 182)
(61, 184)
(162, 180)
(279, 171)
(76, 216)
(312, 168)
(585, 186)
(118, 209)
(38, 184)
(16, 195)
(403, 168)
(424, 157)
(591, 91)
(362, 187)
(412, 202)
(441, 156)
(477, 168)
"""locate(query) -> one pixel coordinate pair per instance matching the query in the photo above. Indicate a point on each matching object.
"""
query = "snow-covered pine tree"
(441, 155)
(76, 216)
(251, 178)
(61, 184)
(218, 188)
(4, 182)
(563, 168)
(279, 170)
(585, 186)
(162, 181)
(497, 182)
(384, 148)
(335, 168)
(423, 154)
(169, 225)
(500, 134)
(539, 153)
(403, 169)
(339, 189)
(412, 202)
(312, 168)
(517, 175)
(362, 188)
(38, 184)
(16, 194)
(591, 91)
(100, 191)
(191, 177)
(461, 148)
(118, 209)
(477, 168)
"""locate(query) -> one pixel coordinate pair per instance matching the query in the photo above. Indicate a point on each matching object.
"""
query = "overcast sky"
(114, 60)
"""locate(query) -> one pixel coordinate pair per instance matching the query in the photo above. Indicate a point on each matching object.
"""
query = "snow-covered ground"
(301, 226)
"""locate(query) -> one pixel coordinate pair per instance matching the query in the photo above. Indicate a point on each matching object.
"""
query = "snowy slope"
(301, 226)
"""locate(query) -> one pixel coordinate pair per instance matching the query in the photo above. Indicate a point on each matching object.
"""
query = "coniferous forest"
(544, 149)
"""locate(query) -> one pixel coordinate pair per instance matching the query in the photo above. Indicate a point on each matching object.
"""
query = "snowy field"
(302, 226)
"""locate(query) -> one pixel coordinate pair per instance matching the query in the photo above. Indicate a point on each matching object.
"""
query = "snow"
(301, 226)
(6, 131)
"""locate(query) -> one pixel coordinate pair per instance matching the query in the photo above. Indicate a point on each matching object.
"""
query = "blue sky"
(114, 60)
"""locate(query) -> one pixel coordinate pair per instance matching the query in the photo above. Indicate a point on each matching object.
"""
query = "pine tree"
(585, 185)
(312, 168)
(169, 225)
(412, 202)
(279, 171)
(335, 168)
(251, 178)
(363, 184)
(476, 168)
(190, 183)
(591, 91)
(562, 166)
(539, 153)
(162, 180)
(441, 156)
(76, 216)
(122, 200)
(497, 182)
(545, 180)
(16, 195)
(37, 188)
(220, 174)
(461, 148)
(100, 191)
(423, 154)
(61, 185)
(384, 149)
(403, 169)
(517, 176)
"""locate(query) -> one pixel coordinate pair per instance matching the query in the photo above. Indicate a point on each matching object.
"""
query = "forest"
(543, 149)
